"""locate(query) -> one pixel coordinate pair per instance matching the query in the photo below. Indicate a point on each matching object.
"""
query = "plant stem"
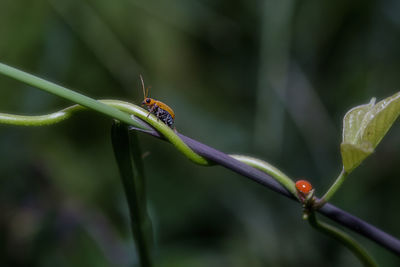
(332, 190)
(128, 157)
(343, 238)
(275, 173)
(203, 152)
(105, 107)
(67, 94)
(129, 108)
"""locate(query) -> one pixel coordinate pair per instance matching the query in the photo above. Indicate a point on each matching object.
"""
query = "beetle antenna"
(144, 91)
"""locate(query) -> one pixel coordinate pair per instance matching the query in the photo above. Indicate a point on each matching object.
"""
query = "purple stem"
(334, 213)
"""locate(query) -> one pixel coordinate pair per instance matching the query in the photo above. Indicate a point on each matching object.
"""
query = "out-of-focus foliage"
(271, 79)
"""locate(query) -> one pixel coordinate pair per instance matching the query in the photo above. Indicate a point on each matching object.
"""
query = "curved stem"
(111, 108)
(117, 105)
(114, 108)
(332, 212)
(66, 94)
(343, 238)
(332, 190)
(264, 166)
(41, 120)
(166, 131)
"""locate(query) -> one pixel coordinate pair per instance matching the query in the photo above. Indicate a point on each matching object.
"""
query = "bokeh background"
(271, 79)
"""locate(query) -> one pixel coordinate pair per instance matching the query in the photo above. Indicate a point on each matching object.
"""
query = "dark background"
(271, 79)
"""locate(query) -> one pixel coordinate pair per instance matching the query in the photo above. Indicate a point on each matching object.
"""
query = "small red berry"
(303, 186)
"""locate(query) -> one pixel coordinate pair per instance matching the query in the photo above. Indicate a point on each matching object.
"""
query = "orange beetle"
(158, 108)
(303, 186)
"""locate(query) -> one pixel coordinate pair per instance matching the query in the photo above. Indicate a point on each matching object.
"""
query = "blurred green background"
(271, 79)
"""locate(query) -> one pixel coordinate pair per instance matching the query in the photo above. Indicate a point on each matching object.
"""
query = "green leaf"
(353, 155)
(364, 127)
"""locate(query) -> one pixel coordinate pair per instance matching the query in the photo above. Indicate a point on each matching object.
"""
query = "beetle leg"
(151, 110)
(158, 111)
(155, 110)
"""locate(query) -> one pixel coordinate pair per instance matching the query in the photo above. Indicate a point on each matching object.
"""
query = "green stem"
(264, 166)
(67, 94)
(332, 190)
(119, 110)
(343, 238)
(41, 120)
(110, 108)
(129, 108)
(139, 112)
(128, 156)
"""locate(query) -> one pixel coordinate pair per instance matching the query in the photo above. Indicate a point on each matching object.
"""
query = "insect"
(305, 191)
(158, 108)
(303, 186)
